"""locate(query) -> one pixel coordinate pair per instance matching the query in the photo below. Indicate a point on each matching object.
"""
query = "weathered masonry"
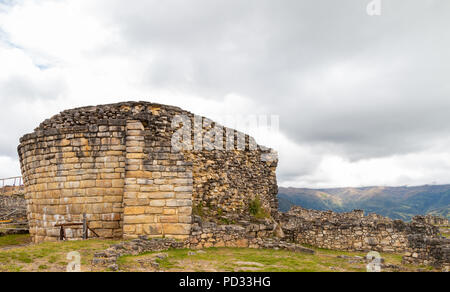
(118, 165)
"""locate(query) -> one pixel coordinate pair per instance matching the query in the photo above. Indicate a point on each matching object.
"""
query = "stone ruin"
(136, 168)
(118, 164)
(430, 219)
(419, 241)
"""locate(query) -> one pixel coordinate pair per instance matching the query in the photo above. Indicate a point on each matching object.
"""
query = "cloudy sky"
(362, 100)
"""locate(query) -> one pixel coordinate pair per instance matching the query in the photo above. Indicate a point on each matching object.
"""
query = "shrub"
(256, 209)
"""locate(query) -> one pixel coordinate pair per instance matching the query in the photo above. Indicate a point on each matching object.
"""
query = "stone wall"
(116, 164)
(13, 207)
(428, 251)
(205, 234)
(351, 231)
(430, 219)
(158, 185)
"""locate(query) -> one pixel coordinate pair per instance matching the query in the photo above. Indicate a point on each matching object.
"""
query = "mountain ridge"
(402, 202)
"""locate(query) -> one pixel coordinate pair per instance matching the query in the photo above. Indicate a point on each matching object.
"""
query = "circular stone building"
(139, 168)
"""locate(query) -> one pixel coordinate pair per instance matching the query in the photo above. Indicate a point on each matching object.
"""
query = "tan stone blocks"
(176, 228)
(153, 210)
(160, 195)
(113, 165)
(134, 143)
(183, 189)
(87, 184)
(64, 142)
(182, 181)
(152, 229)
(157, 203)
(114, 153)
(168, 219)
(178, 203)
(135, 149)
(179, 195)
(164, 188)
(136, 202)
(134, 125)
(103, 183)
(129, 228)
(138, 219)
(72, 184)
(106, 233)
(55, 186)
(134, 162)
(156, 174)
(89, 176)
(111, 217)
(144, 181)
(138, 174)
(130, 195)
(135, 156)
(149, 188)
(169, 211)
(117, 183)
(134, 210)
(185, 219)
(110, 175)
(184, 210)
(69, 154)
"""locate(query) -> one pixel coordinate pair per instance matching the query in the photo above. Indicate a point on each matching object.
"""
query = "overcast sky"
(362, 100)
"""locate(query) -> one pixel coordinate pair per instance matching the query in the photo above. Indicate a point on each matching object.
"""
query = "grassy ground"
(11, 240)
(244, 259)
(47, 256)
(17, 254)
(445, 230)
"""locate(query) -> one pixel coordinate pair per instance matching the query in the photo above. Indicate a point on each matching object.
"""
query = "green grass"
(258, 260)
(47, 255)
(51, 256)
(14, 239)
(227, 260)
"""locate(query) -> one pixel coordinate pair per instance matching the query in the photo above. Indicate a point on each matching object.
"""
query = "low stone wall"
(419, 241)
(429, 251)
(245, 234)
(351, 231)
(430, 219)
(13, 207)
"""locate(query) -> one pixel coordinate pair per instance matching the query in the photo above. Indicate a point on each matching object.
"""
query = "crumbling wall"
(430, 219)
(351, 231)
(117, 164)
(428, 251)
(13, 207)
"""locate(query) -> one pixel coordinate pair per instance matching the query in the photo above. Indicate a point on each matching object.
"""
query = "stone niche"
(116, 163)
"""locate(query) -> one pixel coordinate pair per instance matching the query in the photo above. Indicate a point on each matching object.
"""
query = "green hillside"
(394, 202)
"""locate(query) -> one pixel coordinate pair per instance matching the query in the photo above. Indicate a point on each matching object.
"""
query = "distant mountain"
(394, 202)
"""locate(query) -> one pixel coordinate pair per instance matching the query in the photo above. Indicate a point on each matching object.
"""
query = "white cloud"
(361, 101)
(8, 164)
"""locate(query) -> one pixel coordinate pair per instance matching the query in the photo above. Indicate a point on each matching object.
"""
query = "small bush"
(198, 210)
(256, 209)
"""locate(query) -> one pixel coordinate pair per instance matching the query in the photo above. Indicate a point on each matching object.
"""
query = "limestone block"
(176, 228)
